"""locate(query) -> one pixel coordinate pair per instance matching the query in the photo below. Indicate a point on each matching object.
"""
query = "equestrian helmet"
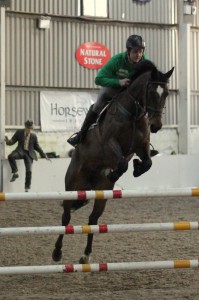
(29, 124)
(135, 41)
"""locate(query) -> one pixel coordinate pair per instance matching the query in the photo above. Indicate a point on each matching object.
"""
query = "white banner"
(64, 111)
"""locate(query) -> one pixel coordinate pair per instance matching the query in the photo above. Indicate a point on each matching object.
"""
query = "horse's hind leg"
(70, 180)
(98, 210)
(75, 180)
(96, 213)
(66, 216)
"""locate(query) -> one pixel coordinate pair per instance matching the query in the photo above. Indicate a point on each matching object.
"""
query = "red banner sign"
(92, 55)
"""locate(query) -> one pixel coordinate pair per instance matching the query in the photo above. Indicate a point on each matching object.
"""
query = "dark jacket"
(19, 137)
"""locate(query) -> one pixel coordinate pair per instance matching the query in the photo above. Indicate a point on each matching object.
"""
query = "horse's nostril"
(154, 129)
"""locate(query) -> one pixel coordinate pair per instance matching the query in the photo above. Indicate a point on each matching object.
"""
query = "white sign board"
(64, 111)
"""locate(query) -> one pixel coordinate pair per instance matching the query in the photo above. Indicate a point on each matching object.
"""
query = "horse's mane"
(141, 67)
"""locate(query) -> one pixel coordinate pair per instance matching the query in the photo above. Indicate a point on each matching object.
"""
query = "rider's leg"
(105, 94)
(91, 117)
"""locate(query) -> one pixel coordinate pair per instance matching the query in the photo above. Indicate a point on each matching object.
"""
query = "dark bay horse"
(124, 130)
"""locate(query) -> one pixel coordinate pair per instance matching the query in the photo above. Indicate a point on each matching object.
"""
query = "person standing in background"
(27, 144)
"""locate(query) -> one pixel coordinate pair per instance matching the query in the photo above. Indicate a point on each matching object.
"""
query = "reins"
(146, 109)
(139, 111)
(137, 106)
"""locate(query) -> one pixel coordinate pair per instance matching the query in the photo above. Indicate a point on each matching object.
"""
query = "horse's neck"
(137, 89)
(137, 94)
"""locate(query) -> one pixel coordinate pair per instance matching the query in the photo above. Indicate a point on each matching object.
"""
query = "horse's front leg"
(121, 162)
(98, 209)
(122, 167)
(140, 167)
(144, 164)
(66, 216)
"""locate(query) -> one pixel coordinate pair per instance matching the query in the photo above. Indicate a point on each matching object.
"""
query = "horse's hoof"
(57, 254)
(141, 169)
(112, 177)
(137, 173)
(136, 162)
(85, 259)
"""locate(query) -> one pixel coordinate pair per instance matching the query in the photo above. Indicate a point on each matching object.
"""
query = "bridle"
(141, 111)
(147, 108)
(154, 111)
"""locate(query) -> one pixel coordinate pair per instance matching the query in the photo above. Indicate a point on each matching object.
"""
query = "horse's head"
(147, 93)
(156, 94)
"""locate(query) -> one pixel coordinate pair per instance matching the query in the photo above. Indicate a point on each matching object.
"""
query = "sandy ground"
(111, 247)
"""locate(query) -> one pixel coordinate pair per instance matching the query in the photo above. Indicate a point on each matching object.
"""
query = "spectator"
(27, 144)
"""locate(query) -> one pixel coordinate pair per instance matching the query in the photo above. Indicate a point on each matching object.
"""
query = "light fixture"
(44, 22)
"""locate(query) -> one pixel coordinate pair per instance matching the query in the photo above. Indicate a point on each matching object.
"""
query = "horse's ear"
(154, 74)
(168, 74)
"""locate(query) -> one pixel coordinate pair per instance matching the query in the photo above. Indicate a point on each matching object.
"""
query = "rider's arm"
(107, 75)
(115, 70)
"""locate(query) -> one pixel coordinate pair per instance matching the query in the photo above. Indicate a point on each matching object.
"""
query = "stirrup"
(74, 139)
(153, 152)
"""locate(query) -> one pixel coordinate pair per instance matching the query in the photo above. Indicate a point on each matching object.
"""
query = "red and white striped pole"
(101, 194)
(102, 267)
(102, 228)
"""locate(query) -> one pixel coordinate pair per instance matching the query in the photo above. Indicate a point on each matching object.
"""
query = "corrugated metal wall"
(22, 105)
(46, 58)
(156, 11)
(42, 59)
(194, 59)
(126, 10)
(54, 7)
(194, 76)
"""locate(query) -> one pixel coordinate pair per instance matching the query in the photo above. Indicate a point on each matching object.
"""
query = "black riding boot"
(91, 117)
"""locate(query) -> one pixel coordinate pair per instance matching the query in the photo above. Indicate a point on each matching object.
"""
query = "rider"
(112, 77)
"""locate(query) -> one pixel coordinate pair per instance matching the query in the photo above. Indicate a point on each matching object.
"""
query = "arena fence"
(124, 266)
(102, 228)
(101, 194)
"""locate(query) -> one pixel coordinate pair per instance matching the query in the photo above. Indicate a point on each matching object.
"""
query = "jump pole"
(101, 194)
(102, 228)
(102, 267)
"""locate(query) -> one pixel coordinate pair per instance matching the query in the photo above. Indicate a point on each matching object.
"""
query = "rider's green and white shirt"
(118, 67)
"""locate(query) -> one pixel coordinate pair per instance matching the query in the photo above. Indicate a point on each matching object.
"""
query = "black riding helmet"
(135, 41)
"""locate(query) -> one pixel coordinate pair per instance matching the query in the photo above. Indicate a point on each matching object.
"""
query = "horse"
(122, 131)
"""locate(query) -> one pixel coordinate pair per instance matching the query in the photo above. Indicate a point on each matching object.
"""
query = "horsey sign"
(92, 55)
